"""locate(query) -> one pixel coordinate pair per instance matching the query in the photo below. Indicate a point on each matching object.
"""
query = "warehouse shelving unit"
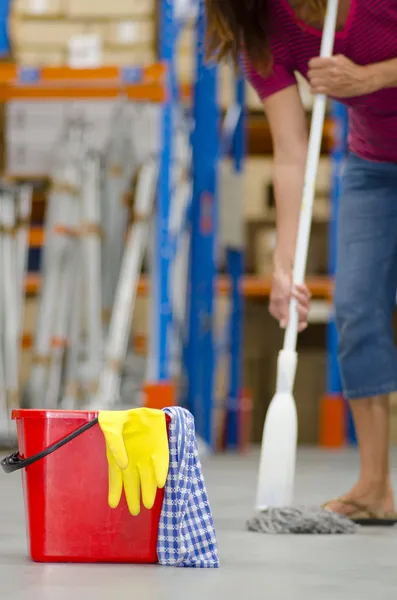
(147, 84)
(157, 83)
(200, 348)
(200, 354)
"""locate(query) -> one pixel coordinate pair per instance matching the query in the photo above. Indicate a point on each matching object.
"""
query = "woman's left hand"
(339, 77)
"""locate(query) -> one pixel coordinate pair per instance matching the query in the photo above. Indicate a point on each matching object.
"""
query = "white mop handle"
(313, 156)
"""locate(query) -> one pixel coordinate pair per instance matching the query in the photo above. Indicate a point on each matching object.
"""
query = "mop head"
(300, 520)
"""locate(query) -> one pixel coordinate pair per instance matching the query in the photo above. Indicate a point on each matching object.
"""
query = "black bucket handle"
(15, 462)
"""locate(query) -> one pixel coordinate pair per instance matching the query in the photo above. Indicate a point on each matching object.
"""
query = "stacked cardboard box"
(259, 216)
(50, 32)
(78, 33)
(260, 370)
(185, 55)
(122, 32)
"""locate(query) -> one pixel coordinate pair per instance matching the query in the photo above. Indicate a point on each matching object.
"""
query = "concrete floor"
(253, 566)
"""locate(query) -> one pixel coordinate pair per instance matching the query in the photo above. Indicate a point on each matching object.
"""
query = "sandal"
(366, 516)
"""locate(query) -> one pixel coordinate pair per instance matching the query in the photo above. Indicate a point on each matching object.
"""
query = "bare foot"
(376, 498)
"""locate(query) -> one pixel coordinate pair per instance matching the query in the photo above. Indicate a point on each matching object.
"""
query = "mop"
(278, 453)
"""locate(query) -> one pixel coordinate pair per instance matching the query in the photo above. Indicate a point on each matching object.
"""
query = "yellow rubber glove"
(138, 455)
(112, 425)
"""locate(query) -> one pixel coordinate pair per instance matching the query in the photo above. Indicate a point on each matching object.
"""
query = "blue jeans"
(366, 278)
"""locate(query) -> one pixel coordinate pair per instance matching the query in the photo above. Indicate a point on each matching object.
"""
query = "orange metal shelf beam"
(62, 91)
(56, 83)
(252, 286)
(36, 237)
(139, 342)
(9, 73)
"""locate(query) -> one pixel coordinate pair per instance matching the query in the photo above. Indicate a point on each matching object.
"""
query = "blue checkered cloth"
(186, 536)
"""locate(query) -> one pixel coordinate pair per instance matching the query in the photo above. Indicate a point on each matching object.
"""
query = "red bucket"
(66, 496)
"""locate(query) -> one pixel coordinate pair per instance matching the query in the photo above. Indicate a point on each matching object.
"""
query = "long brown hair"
(237, 25)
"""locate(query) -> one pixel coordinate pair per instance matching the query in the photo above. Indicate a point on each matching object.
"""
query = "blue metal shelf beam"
(161, 310)
(235, 266)
(200, 353)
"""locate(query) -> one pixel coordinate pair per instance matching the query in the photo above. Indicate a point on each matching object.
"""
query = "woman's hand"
(339, 77)
(280, 299)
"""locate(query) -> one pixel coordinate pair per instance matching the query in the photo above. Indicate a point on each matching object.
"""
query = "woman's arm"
(287, 123)
(288, 128)
(383, 74)
(284, 110)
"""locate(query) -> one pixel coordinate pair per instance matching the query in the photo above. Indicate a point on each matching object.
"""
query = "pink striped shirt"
(369, 36)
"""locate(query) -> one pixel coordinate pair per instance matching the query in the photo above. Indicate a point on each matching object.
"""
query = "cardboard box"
(128, 57)
(260, 369)
(317, 263)
(85, 51)
(44, 34)
(96, 27)
(264, 249)
(310, 386)
(187, 40)
(130, 33)
(185, 66)
(257, 175)
(31, 57)
(262, 340)
(110, 9)
(38, 7)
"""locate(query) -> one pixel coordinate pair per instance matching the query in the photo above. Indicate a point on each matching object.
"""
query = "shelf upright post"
(339, 153)
(235, 268)
(200, 355)
(5, 16)
(160, 321)
(336, 424)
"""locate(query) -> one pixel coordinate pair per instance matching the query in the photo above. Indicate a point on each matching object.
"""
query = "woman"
(276, 38)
